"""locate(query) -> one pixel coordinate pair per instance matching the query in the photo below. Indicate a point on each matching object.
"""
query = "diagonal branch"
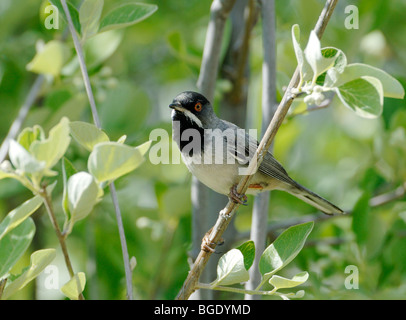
(225, 215)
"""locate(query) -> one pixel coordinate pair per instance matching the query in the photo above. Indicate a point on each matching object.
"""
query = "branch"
(61, 238)
(22, 114)
(219, 12)
(96, 119)
(225, 215)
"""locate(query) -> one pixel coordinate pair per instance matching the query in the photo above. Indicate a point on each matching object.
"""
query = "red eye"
(198, 106)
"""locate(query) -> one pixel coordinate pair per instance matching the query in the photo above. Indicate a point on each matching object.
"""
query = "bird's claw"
(236, 197)
(207, 244)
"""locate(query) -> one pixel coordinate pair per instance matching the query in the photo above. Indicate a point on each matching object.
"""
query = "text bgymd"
(202, 309)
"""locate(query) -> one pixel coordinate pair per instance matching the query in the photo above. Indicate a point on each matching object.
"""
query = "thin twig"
(86, 80)
(22, 114)
(219, 12)
(48, 205)
(225, 215)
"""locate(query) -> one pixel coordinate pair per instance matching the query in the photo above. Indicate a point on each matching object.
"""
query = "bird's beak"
(176, 106)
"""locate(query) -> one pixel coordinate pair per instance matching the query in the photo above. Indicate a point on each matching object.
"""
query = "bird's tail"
(314, 200)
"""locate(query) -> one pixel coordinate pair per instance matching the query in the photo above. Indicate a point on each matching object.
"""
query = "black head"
(192, 107)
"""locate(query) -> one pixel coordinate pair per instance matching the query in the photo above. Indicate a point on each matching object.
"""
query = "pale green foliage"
(39, 260)
(50, 58)
(110, 160)
(19, 214)
(233, 266)
(33, 156)
(360, 87)
(126, 15)
(74, 286)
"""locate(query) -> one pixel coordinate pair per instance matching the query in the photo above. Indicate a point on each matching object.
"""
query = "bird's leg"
(236, 197)
(206, 243)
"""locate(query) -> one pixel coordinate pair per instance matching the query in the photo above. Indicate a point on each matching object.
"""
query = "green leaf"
(177, 45)
(23, 160)
(284, 249)
(281, 282)
(317, 61)
(363, 95)
(248, 251)
(338, 67)
(88, 135)
(109, 41)
(68, 170)
(360, 218)
(291, 295)
(14, 244)
(82, 195)
(392, 88)
(89, 16)
(126, 15)
(231, 269)
(39, 260)
(19, 214)
(111, 160)
(51, 150)
(75, 286)
(28, 135)
(50, 58)
(6, 171)
(304, 67)
(72, 10)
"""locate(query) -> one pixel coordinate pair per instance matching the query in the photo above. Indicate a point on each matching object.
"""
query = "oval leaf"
(23, 160)
(19, 214)
(363, 95)
(54, 147)
(14, 244)
(231, 269)
(111, 160)
(39, 260)
(75, 286)
(82, 195)
(284, 249)
(89, 16)
(281, 283)
(248, 251)
(126, 15)
(304, 67)
(50, 59)
(88, 135)
(317, 61)
(391, 87)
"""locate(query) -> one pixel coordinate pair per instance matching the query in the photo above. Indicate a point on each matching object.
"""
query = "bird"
(216, 151)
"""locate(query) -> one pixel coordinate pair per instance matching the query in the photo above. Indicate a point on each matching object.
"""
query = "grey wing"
(244, 149)
(271, 167)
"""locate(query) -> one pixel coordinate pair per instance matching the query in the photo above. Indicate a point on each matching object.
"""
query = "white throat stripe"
(192, 117)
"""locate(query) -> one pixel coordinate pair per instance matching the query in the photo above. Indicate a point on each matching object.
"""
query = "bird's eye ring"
(198, 106)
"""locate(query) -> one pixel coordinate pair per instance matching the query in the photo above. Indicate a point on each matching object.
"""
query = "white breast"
(219, 177)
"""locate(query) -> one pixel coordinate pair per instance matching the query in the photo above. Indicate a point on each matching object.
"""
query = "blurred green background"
(136, 74)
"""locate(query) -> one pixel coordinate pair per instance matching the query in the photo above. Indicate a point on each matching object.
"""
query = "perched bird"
(215, 151)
